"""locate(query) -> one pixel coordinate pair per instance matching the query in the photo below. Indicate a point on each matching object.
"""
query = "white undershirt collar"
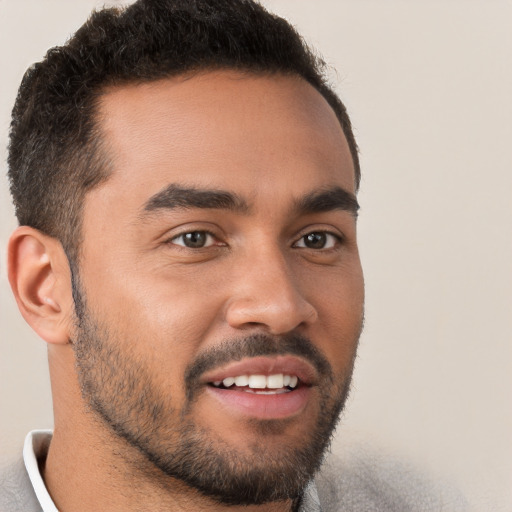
(36, 444)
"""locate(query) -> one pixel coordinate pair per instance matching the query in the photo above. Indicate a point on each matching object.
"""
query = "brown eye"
(194, 239)
(317, 240)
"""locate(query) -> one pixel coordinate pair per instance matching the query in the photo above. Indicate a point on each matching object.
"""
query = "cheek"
(160, 300)
(340, 306)
(160, 321)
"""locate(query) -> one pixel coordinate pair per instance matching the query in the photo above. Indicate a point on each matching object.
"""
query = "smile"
(263, 387)
(259, 384)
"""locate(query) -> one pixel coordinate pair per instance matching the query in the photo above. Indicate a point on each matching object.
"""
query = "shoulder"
(375, 483)
(16, 491)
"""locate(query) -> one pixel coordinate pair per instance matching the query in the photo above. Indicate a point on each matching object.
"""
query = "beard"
(120, 389)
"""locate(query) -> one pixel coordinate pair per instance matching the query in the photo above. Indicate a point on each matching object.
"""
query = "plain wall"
(428, 85)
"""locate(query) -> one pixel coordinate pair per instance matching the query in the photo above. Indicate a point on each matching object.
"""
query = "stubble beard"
(121, 392)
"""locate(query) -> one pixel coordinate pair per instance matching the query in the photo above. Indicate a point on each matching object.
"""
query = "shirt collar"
(36, 448)
(310, 501)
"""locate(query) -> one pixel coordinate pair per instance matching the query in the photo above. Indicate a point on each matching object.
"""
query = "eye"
(318, 240)
(194, 239)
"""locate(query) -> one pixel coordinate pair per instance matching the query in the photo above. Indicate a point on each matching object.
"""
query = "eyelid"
(337, 237)
(209, 237)
(212, 235)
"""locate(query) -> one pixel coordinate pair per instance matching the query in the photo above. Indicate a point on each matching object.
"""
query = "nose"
(267, 294)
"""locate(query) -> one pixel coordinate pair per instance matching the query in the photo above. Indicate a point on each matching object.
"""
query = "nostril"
(277, 307)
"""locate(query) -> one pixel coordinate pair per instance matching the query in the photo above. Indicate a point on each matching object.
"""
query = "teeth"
(228, 381)
(276, 381)
(242, 380)
(270, 391)
(257, 381)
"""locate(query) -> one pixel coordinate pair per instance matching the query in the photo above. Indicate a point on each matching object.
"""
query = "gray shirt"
(361, 483)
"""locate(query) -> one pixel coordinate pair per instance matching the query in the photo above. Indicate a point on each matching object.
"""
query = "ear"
(40, 279)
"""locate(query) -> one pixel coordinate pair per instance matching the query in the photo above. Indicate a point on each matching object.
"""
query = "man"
(185, 183)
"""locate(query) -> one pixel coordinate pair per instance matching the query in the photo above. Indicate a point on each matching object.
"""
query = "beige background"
(429, 88)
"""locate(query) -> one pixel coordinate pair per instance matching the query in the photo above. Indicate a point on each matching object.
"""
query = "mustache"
(253, 346)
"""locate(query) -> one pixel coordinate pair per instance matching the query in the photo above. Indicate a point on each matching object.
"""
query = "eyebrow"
(175, 197)
(179, 197)
(335, 198)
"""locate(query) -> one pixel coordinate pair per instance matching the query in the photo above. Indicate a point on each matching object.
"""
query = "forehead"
(223, 129)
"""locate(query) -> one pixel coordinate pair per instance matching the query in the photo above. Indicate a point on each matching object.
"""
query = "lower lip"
(278, 406)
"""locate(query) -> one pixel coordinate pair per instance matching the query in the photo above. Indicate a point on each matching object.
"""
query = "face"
(221, 293)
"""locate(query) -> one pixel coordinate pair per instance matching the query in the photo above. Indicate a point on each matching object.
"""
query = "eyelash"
(336, 239)
(208, 234)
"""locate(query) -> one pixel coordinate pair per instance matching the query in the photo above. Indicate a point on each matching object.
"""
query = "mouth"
(274, 384)
(263, 387)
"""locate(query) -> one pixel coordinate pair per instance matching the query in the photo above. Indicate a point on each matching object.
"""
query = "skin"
(271, 140)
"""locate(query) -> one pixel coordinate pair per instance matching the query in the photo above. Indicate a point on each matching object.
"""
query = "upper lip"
(265, 365)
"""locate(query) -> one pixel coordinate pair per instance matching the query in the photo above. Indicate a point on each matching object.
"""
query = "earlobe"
(40, 280)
